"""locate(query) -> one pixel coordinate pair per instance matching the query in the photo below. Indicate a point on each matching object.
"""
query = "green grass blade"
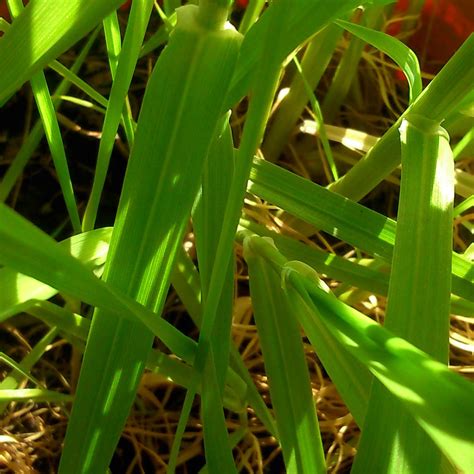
(351, 378)
(395, 49)
(207, 222)
(171, 5)
(443, 95)
(17, 289)
(71, 326)
(70, 76)
(185, 280)
(316, 109)
(56, 146)
(53, 134)
(82, 85)
(18, 370)
(159, 38)
(33, 394)
(113, 41)
(332, 265)
(28, 250)
(134, 35)
(75, 329)
(14, 378)
(304, 19)
(316, 58)
(183, 102)
(346, 69)
(352, 273)
(439, 400)
(251, 15)
(56, 25)
(114, 46)
(21, 294)
(34, 138)
(187, 283)
(259, 108)
(285, 365)
(342, 218)
(418, 300)
(216, 439)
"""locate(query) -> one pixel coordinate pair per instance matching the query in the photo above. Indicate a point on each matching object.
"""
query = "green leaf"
(21, 370)
(438, 100)
(207, 221)
(285, 365)
(182, 104)
(44, 30)
(17, 289)
(136, 27)
(438, 399)
(341, 217)
(418, 300)
(351, 378)
(303, 19)
(34, 394)
(395, 49)
(28, 250)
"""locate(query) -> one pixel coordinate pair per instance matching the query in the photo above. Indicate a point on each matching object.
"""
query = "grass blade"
(395, 49)
(53, 134)
(437, 398)
(418, 300)
(351, 378)
(34, 138)
(361, 275)
(345, 73)
(185, 281)
(183, 102)
(316, 58)
(13, 379)
(443, 95)
(28, 250)
(207, 221)
(57, 25)
(304, 19)
(285, 365)
(17, 289)
(342, 218)
(134, 35)
(34, 394)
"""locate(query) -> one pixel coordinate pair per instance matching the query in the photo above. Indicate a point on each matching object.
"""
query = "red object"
(4, 13)
(126, 5)
(241, 3)
(444, 26)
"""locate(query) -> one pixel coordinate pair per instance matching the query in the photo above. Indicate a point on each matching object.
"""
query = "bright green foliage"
(161, 183)
(369, 231)
(45, 29)
(398, 51)
(285, 365)
(418, 298)
(428, 390)
(189, 171)
(122, 73)
(443, 95)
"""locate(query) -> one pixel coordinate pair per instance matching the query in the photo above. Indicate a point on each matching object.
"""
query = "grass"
(233, 315)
